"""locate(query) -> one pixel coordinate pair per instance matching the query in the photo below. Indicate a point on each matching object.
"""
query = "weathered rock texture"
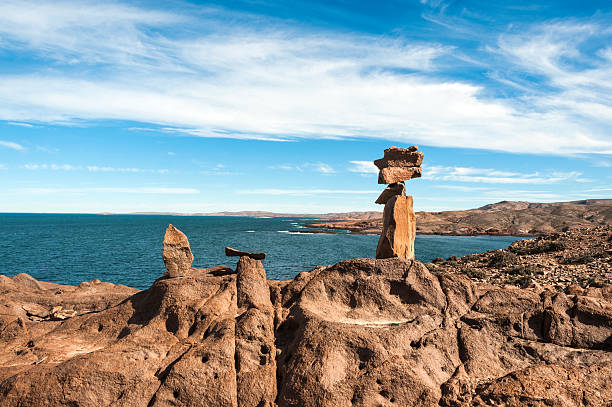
(394, 189)
(363, 332)
(255, 350)
(399, 229)
(396, 174)
(177, 252)
(400, 157)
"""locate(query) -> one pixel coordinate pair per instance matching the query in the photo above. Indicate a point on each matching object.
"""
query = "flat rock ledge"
(363, 332)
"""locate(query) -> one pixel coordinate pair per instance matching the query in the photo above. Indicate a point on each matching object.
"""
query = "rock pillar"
(399, 221)
(399, 229)
(255, 350)
(177, 253)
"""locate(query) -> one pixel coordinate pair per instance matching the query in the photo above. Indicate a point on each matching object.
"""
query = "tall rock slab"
(177, 253)
(255, 350)
(399, 229)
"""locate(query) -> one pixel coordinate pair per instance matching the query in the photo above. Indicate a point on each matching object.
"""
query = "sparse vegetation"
(476, 274)
(539, 247)
(503, 259)
(521, 281)
(526, 270)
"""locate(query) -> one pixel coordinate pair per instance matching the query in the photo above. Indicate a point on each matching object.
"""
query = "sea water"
(126, 249)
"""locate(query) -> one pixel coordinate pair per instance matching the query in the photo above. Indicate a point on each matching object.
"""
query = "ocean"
(126, 249)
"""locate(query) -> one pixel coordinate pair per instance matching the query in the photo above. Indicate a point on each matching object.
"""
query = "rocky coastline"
(363, 332)
(530, 325)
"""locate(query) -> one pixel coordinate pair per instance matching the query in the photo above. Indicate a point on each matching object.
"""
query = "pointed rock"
(392, 175)
(394, 189)
(399, 229)
(177, 252)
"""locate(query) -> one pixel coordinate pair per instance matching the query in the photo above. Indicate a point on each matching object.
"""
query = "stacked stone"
(399, 222)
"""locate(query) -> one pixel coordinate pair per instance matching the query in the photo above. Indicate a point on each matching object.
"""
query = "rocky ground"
(580, 257)
(502, 218)
(363, 332)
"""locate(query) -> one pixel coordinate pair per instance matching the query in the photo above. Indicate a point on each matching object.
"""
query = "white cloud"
(94, 168)
(54, 167)
(110, 190)
(304, 192)
(492, 176)
(364, 167)
(20, 124)
(281, 83)
(3, 167)
(316, 167)
(322, 168)
(10, 144)
(90, 168)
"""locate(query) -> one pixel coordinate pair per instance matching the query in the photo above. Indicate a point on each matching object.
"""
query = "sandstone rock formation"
(177, 252)
(397, 188)
(399, 164)
(399, 229)
(396, 174)
(363, 332)
(255, 349)
(399, 222)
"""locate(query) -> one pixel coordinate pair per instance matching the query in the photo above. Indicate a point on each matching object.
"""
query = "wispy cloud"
(94, 168)
(364, 167)
(320, 167)
(90, 168)
(110, 190)
(492, 176)
(283, 83)
(3, 167)
(54, 167)
(20, 124)
(304, 192)
(12, 145)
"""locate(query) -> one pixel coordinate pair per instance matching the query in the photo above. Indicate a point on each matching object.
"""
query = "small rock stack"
(399, 222)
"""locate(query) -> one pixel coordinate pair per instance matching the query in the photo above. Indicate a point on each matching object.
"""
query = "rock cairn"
(399, 222)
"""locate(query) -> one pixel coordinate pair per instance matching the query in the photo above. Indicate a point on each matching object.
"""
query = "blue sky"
(275, 105)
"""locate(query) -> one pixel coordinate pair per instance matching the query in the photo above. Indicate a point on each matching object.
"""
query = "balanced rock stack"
(399, 222)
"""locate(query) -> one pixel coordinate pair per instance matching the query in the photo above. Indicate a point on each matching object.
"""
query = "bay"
(126, 249)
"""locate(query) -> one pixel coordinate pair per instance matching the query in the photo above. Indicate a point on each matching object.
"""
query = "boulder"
(177, 252)
(400, 157)
(391, 175)
(397, 188)
(399, 229)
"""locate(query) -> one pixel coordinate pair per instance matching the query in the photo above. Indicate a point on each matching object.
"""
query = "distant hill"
(502, 218)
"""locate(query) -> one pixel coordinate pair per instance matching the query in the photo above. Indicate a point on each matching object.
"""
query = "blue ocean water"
(126, 249)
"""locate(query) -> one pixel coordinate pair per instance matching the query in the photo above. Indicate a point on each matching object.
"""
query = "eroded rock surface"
(399, 229)
(177, 252)
(364, 332)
